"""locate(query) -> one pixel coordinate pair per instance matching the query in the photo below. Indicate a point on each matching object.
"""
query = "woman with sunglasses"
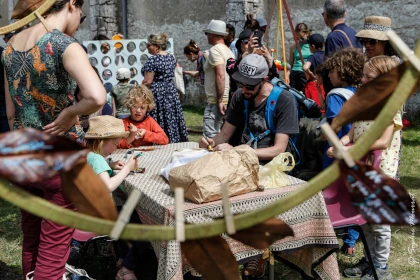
(158, 73)
(43, 64)
(373, 36)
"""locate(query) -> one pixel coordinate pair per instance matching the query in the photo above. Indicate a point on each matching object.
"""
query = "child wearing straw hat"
(102, 137)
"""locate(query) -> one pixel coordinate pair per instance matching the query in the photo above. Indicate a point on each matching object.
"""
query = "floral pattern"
(168, 111)
(390, 157)
(39, 85)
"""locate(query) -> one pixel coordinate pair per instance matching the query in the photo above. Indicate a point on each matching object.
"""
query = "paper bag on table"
(202, 178)
(272, 174)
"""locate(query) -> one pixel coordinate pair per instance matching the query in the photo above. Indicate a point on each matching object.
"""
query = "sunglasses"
(83, 17)
(245, 41)
(371, 42)
(248, 87)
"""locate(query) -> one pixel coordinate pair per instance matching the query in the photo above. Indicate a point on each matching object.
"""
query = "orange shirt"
(154, 133)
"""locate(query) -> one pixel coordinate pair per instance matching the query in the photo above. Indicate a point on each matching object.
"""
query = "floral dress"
(39, 85)
(168, 111)
(391, 155)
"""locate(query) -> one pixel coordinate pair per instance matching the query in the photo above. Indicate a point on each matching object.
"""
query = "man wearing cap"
(216, 79)
(263, 24)
(341, 35)
(255, 87)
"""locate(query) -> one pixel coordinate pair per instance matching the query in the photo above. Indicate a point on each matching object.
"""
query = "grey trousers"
(212, 120)
(378, 238)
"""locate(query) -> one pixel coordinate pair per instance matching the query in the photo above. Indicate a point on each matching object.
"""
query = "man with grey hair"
(341, 35)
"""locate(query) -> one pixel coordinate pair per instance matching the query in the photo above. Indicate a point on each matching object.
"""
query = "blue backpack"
(269, 118)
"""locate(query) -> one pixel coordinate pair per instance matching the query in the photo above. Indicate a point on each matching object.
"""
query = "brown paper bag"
(201, 179)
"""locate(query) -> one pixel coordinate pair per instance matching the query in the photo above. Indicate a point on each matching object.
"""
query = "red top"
(154, 133)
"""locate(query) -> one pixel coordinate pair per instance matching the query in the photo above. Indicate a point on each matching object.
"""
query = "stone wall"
(103, 18)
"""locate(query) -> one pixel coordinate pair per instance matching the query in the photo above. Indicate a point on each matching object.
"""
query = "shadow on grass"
(413, 183)
(411, 142)
(9, 273)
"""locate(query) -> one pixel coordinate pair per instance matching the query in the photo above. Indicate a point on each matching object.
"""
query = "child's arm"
(306, 68)
(114, 182)
(125, 142)
(345, 140)
(114, 107)
(190, 73)
(383, 142)
(155, 134)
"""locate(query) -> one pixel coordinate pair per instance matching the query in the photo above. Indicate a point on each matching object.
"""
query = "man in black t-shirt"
(254, 86)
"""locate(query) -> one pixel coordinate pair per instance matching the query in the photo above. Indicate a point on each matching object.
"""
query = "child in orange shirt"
(144, 130)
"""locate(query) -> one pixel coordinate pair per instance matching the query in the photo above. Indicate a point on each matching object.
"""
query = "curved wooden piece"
(46, 210)
(28, 19)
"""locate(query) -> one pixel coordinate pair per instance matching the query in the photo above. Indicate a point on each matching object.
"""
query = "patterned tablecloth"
(310, 250)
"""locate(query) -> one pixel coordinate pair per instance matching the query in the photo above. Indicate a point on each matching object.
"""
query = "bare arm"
(115, 181)
(191, 73)
(10, 107)
(306, 68)
(291, 56)
(92, 92)
(114, 107)
(220, 86)
(148, 78)
(383, 142)
(280, 146)
(222, 137)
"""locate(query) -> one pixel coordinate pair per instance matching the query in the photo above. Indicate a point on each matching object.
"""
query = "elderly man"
(254, 90)
(216, 79)
(341, 35)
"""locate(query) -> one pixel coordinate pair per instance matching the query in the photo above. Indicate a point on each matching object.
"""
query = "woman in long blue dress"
(158, 75)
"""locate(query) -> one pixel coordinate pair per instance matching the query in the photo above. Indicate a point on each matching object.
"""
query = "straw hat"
(375, 28)
(106, 127)
(25, 7)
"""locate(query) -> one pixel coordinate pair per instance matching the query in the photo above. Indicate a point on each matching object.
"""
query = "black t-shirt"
(285, 118)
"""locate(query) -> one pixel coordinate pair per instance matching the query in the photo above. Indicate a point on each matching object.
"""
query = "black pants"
(297, 80)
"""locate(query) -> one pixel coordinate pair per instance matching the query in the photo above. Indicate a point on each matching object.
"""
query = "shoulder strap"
(345, 34)
(270, 106)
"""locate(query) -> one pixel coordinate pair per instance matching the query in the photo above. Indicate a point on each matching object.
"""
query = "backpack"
(269, 118)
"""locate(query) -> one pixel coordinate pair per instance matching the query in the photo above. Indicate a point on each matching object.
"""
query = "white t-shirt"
(218, 54)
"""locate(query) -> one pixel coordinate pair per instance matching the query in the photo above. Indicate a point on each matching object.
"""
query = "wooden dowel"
(179, 215)
(124, 216)
(338, 146)
(227, 210)
(403, 49)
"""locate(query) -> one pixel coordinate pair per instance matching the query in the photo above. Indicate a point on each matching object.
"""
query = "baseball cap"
(261, 21)
(123, 73)
(316, 39)
(251, 70)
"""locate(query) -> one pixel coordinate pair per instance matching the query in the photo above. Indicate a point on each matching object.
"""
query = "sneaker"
(360, 269)
(383, 274)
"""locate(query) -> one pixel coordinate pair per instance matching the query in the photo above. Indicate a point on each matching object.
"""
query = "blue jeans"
(350, 237)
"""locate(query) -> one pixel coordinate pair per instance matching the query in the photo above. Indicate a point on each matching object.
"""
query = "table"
(310, 250)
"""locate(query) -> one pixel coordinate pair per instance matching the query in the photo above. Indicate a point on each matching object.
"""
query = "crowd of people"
(236, 74)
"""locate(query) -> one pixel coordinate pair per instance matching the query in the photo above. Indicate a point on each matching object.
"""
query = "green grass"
(194, 120)
(401, 243)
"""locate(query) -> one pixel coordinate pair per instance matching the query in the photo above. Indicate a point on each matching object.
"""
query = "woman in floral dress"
(158, 75)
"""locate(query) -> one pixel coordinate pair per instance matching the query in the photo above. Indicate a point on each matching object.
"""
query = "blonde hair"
(141, 93)
(95, 145)
(159, 40)
(381, 64)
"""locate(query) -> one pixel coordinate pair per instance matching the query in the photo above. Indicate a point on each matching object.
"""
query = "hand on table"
(117, 165)
(132, 163)
(223, 147)
(203, 143)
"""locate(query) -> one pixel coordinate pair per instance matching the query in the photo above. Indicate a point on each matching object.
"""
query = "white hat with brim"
(375, 27)
(216, 27)
(106, 127)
